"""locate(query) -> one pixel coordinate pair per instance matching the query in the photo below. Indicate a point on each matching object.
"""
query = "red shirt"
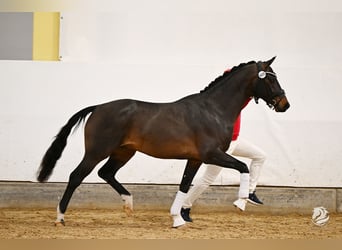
(236, 129)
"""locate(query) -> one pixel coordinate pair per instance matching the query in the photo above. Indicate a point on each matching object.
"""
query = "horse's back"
(157, 129)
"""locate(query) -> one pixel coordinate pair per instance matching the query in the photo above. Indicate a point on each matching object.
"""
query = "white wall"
(161, 51)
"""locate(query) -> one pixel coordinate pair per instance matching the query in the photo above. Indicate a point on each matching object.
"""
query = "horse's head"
(267, 87)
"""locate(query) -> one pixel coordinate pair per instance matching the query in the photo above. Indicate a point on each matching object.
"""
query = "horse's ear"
(269, 62)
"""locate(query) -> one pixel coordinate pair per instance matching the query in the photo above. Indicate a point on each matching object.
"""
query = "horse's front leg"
(222, 159)
(188, 175)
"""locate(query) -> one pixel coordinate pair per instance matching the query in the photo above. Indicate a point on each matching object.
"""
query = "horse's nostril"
(283, 108)
(287, 106)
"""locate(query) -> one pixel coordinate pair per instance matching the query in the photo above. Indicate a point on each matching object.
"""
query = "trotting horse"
(197, 128)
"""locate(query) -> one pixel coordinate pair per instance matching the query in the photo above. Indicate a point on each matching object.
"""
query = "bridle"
(262, 85)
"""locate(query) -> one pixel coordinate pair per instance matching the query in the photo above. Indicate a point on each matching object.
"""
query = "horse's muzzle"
(282, 104)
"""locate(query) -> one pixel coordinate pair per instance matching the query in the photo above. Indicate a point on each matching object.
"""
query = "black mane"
(225, 74)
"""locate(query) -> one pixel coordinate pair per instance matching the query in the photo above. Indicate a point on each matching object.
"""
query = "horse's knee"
(243, 169)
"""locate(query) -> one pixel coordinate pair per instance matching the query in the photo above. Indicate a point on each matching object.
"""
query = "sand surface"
(156, 224)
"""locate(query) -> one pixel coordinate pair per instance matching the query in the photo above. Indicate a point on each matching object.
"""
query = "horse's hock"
(276, 199)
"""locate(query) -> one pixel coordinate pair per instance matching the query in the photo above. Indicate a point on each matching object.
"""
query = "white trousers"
(241, 148)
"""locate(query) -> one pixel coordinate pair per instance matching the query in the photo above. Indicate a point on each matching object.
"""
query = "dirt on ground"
(157, 224)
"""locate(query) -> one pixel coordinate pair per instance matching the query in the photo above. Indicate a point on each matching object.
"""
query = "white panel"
(161, 51)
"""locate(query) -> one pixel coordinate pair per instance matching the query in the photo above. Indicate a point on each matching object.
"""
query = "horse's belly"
(169, 150)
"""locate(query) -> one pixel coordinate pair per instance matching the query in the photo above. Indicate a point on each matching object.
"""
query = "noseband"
(261, 84)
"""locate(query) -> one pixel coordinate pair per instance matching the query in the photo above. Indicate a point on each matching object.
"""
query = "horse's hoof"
(128, 210)
(128, 204)
(178, 221)
(59, 223)
(240, 204)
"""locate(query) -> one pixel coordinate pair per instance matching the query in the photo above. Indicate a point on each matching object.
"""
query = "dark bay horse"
(197, 128)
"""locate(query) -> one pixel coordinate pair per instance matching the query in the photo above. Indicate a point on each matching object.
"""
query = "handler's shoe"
(254, 199)
(185, 212)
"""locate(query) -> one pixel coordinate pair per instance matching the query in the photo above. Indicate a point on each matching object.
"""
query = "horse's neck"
(232, 94)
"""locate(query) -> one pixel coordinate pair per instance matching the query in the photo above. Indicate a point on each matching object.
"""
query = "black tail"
(55, 150)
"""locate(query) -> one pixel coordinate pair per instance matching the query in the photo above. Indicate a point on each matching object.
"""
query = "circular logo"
(320, 216)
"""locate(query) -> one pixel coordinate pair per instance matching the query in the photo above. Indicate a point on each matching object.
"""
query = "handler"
(238, 147)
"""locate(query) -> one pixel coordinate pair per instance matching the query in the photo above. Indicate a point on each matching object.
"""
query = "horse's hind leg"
(108, 172)
(188, 175)
(75, 179)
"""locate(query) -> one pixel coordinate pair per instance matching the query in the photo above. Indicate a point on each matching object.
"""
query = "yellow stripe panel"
(46, 36)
